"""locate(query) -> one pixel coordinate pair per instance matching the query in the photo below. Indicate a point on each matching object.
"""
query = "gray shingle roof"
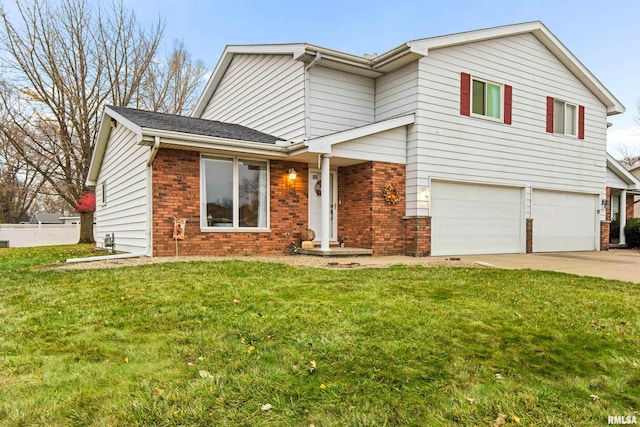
(183, 124)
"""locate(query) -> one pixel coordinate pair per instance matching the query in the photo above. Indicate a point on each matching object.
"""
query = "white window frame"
(566, 118)
(103, 190)
(236, 196)
(500, 103)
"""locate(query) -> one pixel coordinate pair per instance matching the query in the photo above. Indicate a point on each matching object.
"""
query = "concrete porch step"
(336, 251)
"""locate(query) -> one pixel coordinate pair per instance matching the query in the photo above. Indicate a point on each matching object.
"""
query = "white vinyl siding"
(523, 154)
(262, 92)
(614, 181)
(563, 221)
(338, 101)
(397, 92)
(475, 219)
(389, 146)
(125, 213)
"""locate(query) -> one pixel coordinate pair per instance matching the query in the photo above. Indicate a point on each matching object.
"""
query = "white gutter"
(180, 138)
(154, 150)
(104, 258)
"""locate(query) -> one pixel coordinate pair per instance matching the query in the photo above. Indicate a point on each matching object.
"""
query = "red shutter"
(465, 94)
(508, 90)
(549, 114)
(581, 122)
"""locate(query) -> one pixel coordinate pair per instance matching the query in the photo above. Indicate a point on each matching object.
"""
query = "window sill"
(235, 230)
(487, 118)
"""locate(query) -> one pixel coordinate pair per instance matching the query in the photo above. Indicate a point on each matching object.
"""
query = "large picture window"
(234, 193)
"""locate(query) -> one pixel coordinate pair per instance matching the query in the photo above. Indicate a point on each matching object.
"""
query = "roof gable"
(375, 66)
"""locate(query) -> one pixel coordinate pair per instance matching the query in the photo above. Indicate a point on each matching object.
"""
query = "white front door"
(315, 206)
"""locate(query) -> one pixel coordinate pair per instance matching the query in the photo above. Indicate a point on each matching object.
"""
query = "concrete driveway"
(619, 264)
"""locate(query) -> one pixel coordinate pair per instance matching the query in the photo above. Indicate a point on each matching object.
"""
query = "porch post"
(622, 214)
(325, 202)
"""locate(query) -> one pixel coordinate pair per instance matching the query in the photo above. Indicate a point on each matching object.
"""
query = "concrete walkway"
(619, 264)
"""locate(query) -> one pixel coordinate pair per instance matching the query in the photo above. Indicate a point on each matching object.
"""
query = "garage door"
(563, 221)
(475, 219)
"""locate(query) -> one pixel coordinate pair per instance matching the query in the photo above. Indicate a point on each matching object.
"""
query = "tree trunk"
(86, 227)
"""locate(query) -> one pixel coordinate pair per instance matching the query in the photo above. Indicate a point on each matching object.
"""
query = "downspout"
(152, 156)
(307, 96)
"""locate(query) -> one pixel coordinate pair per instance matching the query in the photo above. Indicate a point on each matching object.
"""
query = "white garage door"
(563, 221)
(475, 219)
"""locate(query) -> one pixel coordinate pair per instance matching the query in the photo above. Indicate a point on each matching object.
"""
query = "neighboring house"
(46, 218)
(635, 171)
(622, 188)
(493, 141)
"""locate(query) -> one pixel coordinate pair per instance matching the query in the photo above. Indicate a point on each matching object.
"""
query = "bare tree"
(170, 86)
(629, 156)
(69, 60)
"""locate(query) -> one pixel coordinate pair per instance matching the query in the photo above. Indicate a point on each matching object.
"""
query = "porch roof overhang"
(323, 144)
(633, 183)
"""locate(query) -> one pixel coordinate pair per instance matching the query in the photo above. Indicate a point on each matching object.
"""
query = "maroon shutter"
(550, 114)
(581, 122)
(465, 94)
(508, 90)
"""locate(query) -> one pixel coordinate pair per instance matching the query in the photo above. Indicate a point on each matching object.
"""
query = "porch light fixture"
(605, 204)
(292, 174)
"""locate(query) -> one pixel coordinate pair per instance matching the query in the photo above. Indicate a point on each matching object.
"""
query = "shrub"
(632, 233)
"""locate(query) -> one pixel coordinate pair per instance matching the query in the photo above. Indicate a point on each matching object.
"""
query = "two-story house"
(489, 141)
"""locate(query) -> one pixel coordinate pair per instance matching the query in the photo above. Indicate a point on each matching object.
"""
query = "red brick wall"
(364, 218)
(417, 236)
(529, 231)
(630, 212)
(176, 192)
(605, 226)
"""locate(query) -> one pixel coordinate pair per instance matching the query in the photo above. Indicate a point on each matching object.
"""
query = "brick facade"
(629, 205)
(176, 193)
(417, 236)
(605, 227)
(365, 220)
(529, 231)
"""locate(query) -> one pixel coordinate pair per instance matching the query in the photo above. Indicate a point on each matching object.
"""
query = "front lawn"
(246, 343)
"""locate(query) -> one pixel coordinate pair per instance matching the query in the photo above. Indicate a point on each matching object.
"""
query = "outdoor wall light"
(424, 195)
(605, 204)
(292, 174)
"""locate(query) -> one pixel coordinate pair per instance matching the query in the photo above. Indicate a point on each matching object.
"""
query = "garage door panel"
(563, 221)
(475, 219)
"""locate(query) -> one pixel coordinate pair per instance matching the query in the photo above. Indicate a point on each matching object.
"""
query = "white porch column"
(325, 202)
(622, 214)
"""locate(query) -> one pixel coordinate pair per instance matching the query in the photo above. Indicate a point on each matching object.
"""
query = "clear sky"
(603, 35)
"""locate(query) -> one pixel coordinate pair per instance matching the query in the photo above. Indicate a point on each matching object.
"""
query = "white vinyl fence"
(23, 235)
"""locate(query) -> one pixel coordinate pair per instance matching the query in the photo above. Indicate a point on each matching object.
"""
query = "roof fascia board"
(219, 146)
(99, 148)
(323, 144)
(185, 139)
(137, 130)
(622, 173)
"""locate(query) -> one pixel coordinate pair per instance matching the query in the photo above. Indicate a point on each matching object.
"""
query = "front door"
(315, 222)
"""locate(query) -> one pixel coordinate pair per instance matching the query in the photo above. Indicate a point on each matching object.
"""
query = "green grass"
(397, 346)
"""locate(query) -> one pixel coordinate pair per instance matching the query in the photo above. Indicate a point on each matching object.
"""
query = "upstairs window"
(564, 118)
(483, 98)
